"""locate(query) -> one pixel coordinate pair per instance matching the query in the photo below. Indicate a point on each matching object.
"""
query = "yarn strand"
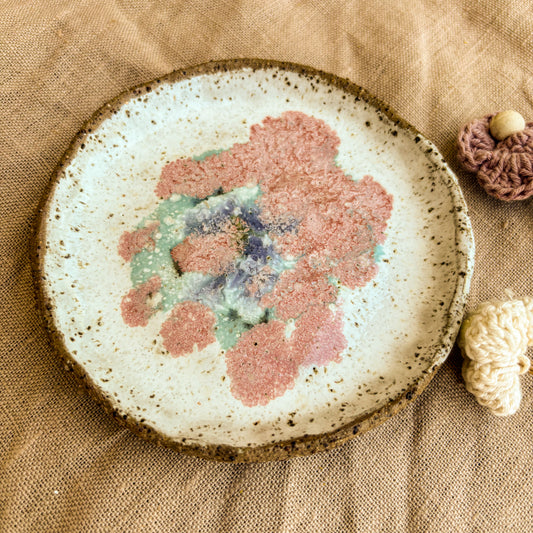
(503, 168)
(494, 339)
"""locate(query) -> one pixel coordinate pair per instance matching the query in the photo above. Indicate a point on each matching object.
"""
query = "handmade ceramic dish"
(251, 260)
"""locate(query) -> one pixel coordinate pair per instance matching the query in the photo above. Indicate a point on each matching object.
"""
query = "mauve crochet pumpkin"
(503, 168)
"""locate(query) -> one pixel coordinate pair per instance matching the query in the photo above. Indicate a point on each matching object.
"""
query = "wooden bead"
(506, 123)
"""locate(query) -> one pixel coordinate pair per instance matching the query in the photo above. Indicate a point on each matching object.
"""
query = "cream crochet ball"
(494, 339)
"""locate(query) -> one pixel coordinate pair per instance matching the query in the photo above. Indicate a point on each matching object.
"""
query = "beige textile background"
(443, 464)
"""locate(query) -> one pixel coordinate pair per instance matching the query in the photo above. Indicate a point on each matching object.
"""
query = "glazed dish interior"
(164, 329)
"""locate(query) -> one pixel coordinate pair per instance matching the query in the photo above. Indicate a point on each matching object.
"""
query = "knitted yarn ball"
(494, 339)
(504, 168)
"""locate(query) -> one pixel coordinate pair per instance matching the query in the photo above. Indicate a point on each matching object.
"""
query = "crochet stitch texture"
(503, 168)
(494, 339)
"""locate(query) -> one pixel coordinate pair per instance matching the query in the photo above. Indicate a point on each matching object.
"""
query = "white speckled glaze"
(399, 327)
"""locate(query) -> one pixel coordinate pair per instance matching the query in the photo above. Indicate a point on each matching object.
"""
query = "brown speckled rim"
(306, 444)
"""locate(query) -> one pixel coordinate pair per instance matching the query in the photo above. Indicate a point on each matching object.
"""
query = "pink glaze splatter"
(185, 176)
(135, 306)
(189, 323)
(295, 143)
(356, 270)
(332, 220)
(371, 201)
(297, 290)
(209, 253)
(244, 164)
(262, 365)
(316, 214)
(319, 336)
(132, 242)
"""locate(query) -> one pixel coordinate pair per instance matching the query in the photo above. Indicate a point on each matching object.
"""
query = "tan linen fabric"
(444, 464)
